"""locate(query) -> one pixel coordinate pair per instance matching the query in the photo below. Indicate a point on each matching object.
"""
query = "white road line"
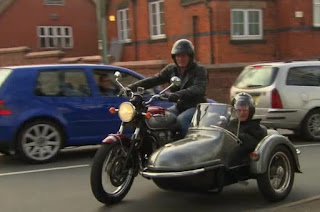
(43, 170)
(307, 145)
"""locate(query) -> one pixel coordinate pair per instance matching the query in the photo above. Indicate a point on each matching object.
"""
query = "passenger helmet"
(244, 99)
(182, 46)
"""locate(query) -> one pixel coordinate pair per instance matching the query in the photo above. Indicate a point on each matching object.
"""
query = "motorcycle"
(120, 158)
(210, 157)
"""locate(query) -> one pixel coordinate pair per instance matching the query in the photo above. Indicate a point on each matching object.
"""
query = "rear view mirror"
(176, 81)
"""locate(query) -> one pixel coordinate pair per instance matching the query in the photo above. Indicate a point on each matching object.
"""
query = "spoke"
(52, 143)
(45, 130)
(37, 130)
(30, 136)
(30, 144)
(51, 135)
(34, 151)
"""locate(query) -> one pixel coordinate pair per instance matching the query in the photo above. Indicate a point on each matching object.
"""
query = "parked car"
(287, 94)
(44, 108)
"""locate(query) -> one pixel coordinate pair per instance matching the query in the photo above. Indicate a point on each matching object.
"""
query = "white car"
(287, 94)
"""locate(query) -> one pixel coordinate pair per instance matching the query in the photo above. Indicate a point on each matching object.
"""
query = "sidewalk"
(306, 205)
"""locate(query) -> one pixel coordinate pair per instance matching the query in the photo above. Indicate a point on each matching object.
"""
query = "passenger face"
(243, 112)
(182, 60)
(105, 82)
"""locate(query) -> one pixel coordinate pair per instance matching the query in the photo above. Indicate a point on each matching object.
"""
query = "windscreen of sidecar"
(215, 114)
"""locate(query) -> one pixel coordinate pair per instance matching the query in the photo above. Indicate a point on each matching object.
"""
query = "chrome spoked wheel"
(116, 175)
(40, 141)
(276, 183)
(279, 172)
(112, 173)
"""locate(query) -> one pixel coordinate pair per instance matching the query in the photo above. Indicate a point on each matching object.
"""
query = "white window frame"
(53, 39)
(156, 34)
(123, 25)
(316, 10)
(246, 35)
(54, 2)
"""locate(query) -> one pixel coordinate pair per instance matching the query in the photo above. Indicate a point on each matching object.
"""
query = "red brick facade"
(19, 21)
(285, 36)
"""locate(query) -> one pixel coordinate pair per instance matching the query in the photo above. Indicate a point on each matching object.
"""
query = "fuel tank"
(161, 119)
(200, 149)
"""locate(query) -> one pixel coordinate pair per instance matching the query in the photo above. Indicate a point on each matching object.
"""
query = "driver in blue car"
(194, 80)
(250, 130)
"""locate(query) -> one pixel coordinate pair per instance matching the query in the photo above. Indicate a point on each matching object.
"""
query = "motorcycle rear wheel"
(110, 180)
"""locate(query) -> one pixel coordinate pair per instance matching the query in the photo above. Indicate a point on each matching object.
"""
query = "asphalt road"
(64, 185)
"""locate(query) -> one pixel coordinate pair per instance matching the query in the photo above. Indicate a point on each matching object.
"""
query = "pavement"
(305, 205)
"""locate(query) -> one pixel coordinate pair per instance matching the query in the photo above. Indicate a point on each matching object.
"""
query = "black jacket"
(193, 84)
(251, 133)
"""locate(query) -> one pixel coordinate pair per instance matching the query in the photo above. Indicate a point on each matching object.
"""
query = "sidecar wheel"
(276, 183)
(110, 180)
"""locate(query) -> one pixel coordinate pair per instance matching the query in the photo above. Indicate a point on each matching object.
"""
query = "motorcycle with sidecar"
(210, 157)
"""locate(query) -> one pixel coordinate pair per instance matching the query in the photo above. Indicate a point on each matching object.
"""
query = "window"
(304, 76)
(123, 25)
(316, 13)
(55, 37)
(156, 14)
(72, 83)
(246, 24)
(54, 2)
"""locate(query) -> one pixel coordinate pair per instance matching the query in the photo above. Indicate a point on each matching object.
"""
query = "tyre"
(39, 141)
(276, 183)
(111, 179)
(311, 125)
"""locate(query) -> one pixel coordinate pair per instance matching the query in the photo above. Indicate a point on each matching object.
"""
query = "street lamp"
(102, 35)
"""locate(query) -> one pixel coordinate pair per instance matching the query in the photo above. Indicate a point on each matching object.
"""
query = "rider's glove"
(173, 97)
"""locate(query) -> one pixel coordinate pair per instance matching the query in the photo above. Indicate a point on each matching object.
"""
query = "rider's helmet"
(244, 99)
(182, 46)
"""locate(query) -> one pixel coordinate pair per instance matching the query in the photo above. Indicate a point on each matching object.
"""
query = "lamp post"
(102, 35)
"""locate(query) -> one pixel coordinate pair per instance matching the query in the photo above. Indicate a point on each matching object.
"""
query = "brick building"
(223, 31)
(41, 25)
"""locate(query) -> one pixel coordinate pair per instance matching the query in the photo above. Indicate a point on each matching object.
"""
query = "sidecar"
(210, 157)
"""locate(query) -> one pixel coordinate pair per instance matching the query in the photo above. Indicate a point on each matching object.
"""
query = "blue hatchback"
(44, 108)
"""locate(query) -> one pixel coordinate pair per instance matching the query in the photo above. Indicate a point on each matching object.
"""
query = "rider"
(250, 131)
(194, 81)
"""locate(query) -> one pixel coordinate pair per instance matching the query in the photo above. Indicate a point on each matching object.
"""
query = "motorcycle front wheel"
(111, 173)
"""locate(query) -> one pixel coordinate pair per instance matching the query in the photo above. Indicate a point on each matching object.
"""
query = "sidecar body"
(210, 157)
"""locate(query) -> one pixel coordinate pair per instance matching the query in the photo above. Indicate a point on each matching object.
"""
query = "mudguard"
(200, 149)
(264, 149)
(115, 137)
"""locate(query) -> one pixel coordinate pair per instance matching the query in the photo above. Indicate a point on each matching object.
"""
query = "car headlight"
(126, 111)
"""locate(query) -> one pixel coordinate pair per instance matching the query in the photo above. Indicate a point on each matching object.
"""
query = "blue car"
(44, 108)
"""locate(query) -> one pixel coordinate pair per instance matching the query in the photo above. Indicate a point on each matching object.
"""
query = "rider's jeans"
(184, 118)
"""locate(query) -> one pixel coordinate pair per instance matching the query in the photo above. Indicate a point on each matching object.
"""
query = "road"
(63, 185)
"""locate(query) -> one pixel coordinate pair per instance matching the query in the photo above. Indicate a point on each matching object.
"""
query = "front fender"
(112, 138)
(265, 147)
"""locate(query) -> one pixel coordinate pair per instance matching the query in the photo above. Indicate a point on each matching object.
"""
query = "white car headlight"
(126, 111)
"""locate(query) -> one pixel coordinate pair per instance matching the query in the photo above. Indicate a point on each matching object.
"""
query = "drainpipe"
(210, 31)
(134, 5)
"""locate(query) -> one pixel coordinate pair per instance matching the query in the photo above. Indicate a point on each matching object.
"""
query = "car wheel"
(39, 141)
(276, 183)
(311, 125)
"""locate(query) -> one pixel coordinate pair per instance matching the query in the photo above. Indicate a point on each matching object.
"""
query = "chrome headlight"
(126, 111)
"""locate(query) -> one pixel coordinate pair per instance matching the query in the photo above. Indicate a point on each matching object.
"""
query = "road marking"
(307, 145)
(44, 170)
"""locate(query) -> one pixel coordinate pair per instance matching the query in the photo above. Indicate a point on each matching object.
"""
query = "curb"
(296, 203)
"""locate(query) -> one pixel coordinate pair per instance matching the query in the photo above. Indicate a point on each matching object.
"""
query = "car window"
(107, 84)
(62, 83)
(4, 73)
(256, 76)
(304, 76)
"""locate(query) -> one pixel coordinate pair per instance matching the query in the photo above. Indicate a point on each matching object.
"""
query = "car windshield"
(256, 76)
(4, 73)
(215, 115)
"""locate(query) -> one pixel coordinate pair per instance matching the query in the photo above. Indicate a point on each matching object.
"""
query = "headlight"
(126, 111)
